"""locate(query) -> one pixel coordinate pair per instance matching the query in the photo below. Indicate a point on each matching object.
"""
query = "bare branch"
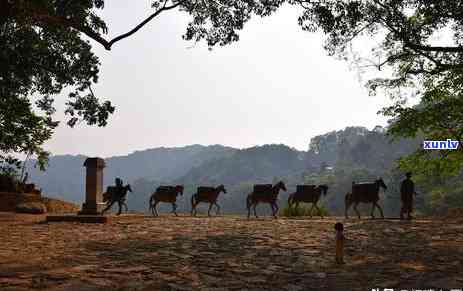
(389, 59)
(143, 23)
(456, 49)
(46, 18)
(91, 91)
(355, 34)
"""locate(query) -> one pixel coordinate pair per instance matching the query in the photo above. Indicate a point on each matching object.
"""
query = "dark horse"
(264, 193)
(208, 195)
(165, 194)
(308, 194)
(112, 195)
(365, 193)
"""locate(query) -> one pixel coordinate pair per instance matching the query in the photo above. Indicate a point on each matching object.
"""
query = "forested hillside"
(65, 176)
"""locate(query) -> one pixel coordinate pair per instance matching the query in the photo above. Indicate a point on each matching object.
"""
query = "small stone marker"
(93, 187)
(339, 227)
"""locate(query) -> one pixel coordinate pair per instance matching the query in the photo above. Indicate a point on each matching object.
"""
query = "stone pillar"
(93, 187)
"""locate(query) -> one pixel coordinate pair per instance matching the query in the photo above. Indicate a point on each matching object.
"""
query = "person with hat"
(407, 190)
(119, 187)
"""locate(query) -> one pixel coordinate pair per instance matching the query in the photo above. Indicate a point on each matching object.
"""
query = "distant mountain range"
(237, 169)
(65, 175)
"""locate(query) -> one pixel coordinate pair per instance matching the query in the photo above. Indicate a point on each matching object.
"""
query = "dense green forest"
(336, 158)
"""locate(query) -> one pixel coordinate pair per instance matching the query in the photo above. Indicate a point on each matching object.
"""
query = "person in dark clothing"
(119, 182)
(407, 190)
(119, 186)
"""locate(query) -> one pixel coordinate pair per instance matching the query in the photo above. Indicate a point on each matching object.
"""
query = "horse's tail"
(347, 201)
(193, 199)
(248, 201)
(290, 200)
(151, 202)
(324, 189)
(347, 198)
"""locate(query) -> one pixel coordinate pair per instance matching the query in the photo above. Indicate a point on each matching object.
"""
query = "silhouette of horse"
(165, 194)
(365, 193)
(112, 195)
(264, 193)
(308, 194)
(208, 195)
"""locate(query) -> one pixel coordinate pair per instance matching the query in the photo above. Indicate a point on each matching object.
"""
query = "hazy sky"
(276, 85)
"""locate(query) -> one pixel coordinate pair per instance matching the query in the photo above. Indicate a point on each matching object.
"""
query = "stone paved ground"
(227, 253)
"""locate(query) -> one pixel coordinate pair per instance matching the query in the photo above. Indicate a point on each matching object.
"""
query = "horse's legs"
(150, 204)
(402, 210)
(218, 208)
(319, 210)
(174, 208)
(346, 210)
(380, 210)
(255, 213)
(120, 207)
(311, 210)
(249, 210)
(209, 210)
(276, 209)
(193, 209)
(272, 206)
(108, 207)
(151, 208)
(373, 210)
(154, 210)
(356, 210)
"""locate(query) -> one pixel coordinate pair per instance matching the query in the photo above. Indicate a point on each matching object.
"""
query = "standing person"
(407, 190)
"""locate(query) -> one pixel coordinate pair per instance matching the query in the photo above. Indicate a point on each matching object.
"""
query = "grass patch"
(303, 210)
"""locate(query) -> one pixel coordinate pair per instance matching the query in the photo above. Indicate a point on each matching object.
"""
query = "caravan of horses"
(364, 192)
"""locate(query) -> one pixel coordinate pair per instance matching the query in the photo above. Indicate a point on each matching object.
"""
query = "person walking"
(407, 190)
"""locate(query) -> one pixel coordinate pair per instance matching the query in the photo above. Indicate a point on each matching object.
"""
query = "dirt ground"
(136, 252)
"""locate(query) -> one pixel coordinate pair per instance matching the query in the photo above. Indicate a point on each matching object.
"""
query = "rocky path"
(228, 253)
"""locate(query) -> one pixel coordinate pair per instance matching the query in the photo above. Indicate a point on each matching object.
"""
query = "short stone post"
(93, 187)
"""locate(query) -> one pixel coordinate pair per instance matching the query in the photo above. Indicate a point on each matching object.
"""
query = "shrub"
(303, 210)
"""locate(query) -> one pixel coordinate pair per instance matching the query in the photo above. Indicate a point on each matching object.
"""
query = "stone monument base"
(91, 208)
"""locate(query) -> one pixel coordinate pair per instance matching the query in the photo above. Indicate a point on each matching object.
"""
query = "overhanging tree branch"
(446, 49)
(50, 19)
(143, 23)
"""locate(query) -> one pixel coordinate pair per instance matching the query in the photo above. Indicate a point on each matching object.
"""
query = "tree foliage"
(418, 45)
(407, 30)
(21, 131)
(36, 63)
(437, 117)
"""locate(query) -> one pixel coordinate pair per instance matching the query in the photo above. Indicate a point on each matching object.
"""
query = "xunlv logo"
(440, 144)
